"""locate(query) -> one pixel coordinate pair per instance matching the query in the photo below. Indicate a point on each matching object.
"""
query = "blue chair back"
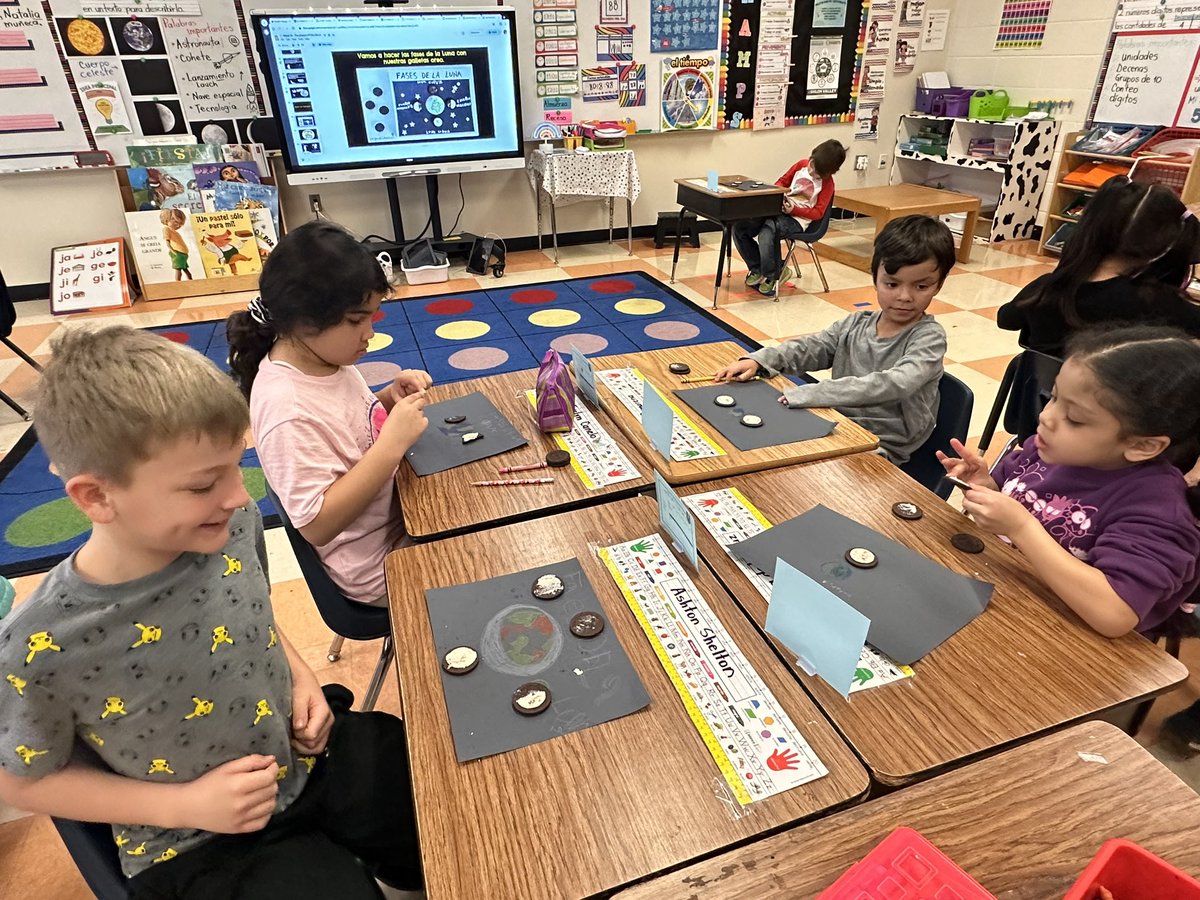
(352, 620)
(1022, 395)
(953, 421)
(817, 231)
(96, 856)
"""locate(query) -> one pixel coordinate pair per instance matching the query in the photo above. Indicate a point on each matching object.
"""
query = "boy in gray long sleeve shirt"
(887, 364)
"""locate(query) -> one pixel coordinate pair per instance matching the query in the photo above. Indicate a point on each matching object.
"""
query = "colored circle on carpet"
(255, 482)
(379, 372)
(179, 337)
(554, 318)
(51, 523)
(378, 341)
(583, 342)
(533, 296)
(639, 306)
(451, 306)
(671, 331)
(476, 359)
(463, 330)
(612, 286)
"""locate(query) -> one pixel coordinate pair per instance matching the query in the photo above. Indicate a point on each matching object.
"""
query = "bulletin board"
(1151, 70)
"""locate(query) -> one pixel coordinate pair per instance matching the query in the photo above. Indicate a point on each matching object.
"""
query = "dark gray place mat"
(781, 424)
(441, 447)
(913, 603)
(501, 620)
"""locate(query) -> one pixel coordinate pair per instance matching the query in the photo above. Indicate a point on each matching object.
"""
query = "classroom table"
(444, 503)
(727, 205)
(891, 201)
(1023, 823)
(599, 808)
(705, 359)
(566, 176)
(1025, 666)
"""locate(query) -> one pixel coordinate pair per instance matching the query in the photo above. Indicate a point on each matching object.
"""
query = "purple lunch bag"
(554, 394)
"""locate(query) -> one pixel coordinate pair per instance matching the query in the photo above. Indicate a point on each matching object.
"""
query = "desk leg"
(678, 237)
(539, 217)
(610, 219)
(726, 250)
(554, 229)
(629, 222)
(968, 235)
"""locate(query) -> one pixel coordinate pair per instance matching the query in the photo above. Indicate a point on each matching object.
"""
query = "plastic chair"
(1022, 395)
(953, 420)
(809, 238)
(96, 856)
(345, 618)
(8, 318)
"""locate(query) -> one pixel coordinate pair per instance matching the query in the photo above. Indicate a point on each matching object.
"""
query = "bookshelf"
(1184, 177)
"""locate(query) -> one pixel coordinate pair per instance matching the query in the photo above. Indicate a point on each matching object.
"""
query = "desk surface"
(1023, 824)
(699, 184)
(705, 359)
(601, 807)
(903, 199)
(1025, 666)
(444, 503)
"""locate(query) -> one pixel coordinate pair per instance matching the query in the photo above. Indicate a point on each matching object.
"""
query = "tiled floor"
(32, 860)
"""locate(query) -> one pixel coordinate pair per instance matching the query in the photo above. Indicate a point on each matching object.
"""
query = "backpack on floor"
(554, 395)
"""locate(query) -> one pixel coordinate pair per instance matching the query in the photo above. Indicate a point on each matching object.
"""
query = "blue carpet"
(454, 337)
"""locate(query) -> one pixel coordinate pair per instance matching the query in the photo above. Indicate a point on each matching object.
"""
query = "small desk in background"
(1024, 824)
(602, 807)
(1027, 665)
(444, 503)
(895, 200)
(846, 437)
(565, 176)
(726, 206)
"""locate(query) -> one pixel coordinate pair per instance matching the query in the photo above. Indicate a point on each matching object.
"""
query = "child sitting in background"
(809, 185)
(1128, 261)
(328, 446)
(887, 364)
(155, 646)
(1092, 499)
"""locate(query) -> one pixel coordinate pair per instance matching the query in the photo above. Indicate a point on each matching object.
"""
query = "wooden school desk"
(1027, 665)
(1024, 824)
(445, 503)
(705, 359)
(599, 808)
(895, 200)
(726, 206)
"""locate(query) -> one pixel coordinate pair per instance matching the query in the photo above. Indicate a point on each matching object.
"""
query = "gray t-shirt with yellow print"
(163, 678)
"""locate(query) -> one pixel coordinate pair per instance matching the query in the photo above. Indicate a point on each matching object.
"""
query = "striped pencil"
(710, 378)
(504, 470)
(502, 483)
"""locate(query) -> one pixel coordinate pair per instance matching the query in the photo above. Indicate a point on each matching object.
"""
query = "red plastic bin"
(905, 866)
(1129, 872)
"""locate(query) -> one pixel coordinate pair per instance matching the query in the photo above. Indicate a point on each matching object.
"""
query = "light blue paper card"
(585, 376)
(713, 178)
(658, 419)
(826, 633)
(677, 519)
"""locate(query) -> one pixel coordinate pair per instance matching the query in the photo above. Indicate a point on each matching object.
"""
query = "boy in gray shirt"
(886, 364)
(155, 647)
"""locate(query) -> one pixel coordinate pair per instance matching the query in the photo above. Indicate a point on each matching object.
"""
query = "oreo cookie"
(454, 420)
(531, 698)
(967, 543)
(724, 400)
(548, 587)
(862, 558)
(460, 660)
(906, 510)
(679, 368)
(558, 458)
(752, 421)
(586, 624)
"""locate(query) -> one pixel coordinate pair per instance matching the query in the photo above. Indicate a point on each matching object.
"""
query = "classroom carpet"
(453, 336)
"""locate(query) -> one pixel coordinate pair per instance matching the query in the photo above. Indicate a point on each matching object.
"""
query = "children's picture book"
(234, 195)
(265, 232)
(155, 154)
(208, 175)
(88, 276)
(227, 243)
(164, 245)
(255, 153)
(162, 187)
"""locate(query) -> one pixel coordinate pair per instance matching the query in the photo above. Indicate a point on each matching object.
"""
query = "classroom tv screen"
(376, 94)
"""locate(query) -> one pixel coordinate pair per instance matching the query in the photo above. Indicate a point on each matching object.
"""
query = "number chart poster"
(821, 88)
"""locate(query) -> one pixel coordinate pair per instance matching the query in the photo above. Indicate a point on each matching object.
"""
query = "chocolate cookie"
(548, 587)
(752, 421)
(724, 400)
(454, 420)
(967, 543)
(531, 698)
(679, 368)
(587, 624)
(558, 458)
(906, 510)
(861, 558)
(460, 660)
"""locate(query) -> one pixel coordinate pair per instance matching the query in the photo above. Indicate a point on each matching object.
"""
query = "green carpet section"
(58, 520)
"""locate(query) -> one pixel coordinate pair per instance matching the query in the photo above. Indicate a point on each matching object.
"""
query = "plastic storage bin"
(905, 866)
(954, 102)
(989, 105)
(426, 274)
(1129, 872)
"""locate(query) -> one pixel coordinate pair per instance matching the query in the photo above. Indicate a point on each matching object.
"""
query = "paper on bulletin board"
(614, 12)
(1147, 77)
(631, 85)
(769, 100)
(689, 93)
(907, 43)
(824, 67)
(104, 107)
(614, 43)
(866, 120)
(937, 24)
(912, 12)
(829, 14)
(88, 276)
(879, 35)
(1156, 15)
(599, 84)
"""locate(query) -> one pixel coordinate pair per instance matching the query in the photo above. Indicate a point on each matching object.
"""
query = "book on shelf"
(155, 154)
(227, 243)
(1074, 209)
(164, 245)
(163, 187)
(1059, 238)
(209, 174)
(234, 195)
(255, 153)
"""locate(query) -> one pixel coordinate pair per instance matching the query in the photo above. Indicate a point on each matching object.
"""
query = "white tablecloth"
(576, 176)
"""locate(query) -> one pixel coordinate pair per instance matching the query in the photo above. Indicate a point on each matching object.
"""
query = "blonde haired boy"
(155, 646)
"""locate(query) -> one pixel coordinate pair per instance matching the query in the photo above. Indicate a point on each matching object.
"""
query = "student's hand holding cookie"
(969, 466)
(998, 513)
(405, 423)
(410, 381)
(742, 370)
(312, 719)
(236, 798)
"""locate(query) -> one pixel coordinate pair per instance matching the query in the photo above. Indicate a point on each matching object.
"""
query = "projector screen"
(376, 94)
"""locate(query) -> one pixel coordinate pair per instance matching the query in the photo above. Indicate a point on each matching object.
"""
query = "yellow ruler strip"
(531, 396)
(682, 416)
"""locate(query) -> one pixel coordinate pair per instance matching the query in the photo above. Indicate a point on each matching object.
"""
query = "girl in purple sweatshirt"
(1093, 499)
